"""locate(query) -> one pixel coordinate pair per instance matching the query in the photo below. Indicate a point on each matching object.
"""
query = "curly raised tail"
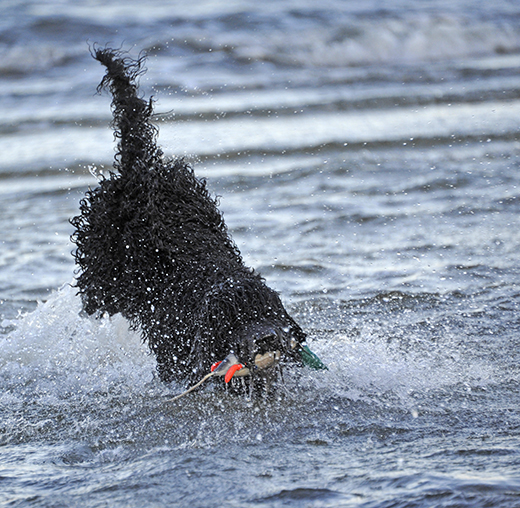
(137, 148)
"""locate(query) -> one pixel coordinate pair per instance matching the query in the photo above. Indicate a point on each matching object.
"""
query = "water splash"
(387, 367)
(56, 352)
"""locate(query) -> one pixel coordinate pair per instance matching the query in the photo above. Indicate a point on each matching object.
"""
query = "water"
(367, 159)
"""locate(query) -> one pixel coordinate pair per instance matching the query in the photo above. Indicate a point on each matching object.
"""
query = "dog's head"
(257, 357)
(247, 328)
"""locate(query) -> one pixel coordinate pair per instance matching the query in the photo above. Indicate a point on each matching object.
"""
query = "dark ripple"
(294, 497)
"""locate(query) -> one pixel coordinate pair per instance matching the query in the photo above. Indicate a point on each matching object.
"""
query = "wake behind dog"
(153, 246)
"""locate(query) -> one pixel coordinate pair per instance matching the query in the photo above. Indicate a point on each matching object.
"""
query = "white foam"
(410, 39)
(373, 367)
(56, 352)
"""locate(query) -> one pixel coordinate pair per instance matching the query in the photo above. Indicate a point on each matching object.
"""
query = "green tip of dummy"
(311, 360)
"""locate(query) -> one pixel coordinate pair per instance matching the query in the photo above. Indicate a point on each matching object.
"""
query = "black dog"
(152, 245)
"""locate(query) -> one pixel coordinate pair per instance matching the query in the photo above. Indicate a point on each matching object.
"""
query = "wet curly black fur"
(153, 246)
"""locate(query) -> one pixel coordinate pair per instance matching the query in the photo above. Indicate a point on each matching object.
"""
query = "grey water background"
(367, 159)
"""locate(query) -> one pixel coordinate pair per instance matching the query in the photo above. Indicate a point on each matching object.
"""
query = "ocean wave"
(32, 57)
(334, 37)
(397, 41)
(343, 40)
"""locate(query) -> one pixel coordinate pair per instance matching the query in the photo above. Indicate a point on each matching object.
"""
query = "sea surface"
(367, 155)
